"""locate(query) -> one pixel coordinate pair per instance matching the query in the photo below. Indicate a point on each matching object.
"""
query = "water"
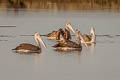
(98, 62)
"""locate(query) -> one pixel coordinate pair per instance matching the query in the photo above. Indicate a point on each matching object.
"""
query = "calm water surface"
(98, 62)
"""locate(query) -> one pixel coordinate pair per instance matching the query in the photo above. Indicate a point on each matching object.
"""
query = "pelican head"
(68, 26)
(38, 39)
(92, 33)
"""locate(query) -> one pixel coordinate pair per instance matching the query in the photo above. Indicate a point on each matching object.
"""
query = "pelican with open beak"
(29, 48)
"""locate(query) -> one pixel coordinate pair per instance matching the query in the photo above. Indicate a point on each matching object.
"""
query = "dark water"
(97, 62)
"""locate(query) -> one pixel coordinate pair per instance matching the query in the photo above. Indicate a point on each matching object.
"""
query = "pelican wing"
(67, 43)
(27, 46)
(86, 37)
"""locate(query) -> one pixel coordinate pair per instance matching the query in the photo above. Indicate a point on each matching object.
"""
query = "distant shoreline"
(62, 4)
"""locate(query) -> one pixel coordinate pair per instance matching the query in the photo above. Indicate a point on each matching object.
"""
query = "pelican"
(52, 35)
(55, 35)
(29, 48)
(67, 45)
(90, 38)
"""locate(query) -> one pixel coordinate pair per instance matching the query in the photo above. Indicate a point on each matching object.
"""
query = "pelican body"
(52, 35)
(30, 48)
(67, 45)
(55, 35)
(90, 38)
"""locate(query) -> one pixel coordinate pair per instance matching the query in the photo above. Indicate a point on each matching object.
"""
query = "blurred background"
(112, 5)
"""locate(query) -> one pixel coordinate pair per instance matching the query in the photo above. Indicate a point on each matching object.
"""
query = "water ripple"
(6, 26)
(98, 35)
(3, 40)
(6, 36)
